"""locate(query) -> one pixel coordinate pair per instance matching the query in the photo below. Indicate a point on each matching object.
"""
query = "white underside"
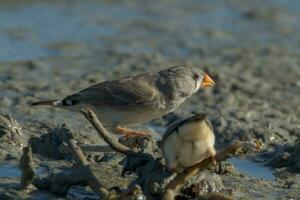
(112, 117)
(180, 153)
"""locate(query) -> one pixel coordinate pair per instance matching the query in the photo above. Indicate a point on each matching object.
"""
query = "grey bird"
(136, 99)
(187, 142)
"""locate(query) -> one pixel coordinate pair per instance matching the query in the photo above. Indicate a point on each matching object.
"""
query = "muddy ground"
(50, 49)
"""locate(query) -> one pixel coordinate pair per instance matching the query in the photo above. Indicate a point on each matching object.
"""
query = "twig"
(107, 137)
(26, 166)
(92, 180)
(174, 186)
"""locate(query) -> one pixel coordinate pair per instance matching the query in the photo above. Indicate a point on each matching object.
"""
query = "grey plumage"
(136, 99)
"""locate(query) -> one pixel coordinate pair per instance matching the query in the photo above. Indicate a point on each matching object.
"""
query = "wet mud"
(50, 49)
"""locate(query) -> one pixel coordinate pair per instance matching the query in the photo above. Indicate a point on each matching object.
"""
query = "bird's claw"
(133, 141)
(214, 161)
(239, 151)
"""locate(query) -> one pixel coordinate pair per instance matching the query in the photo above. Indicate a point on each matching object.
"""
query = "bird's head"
(190, 79)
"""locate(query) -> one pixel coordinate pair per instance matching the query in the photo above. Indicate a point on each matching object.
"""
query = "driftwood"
(104, 134)
(114, 144)
(234, 149)
(92, 180)
(173, 187)
(145, 165)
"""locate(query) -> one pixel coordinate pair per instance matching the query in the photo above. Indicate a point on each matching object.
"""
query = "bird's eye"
(196, 76)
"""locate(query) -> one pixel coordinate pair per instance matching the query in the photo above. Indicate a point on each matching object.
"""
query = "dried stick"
(26, 166)
(92, 180)
(107, 137)
(238, 147)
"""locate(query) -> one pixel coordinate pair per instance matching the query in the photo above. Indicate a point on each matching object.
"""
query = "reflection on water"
(12, 170)
(253, 169)
(36, 30)
(48, 29)
(9, 170)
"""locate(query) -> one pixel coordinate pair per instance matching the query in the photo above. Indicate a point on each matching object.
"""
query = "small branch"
(77, 152)
(175, 185)
(92, 180)
(107, 137)
(26, 167)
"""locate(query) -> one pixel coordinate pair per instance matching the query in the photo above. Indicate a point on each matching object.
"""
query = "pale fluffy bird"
(187, 142)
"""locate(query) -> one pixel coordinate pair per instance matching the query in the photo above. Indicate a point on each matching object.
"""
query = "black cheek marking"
(196, 76)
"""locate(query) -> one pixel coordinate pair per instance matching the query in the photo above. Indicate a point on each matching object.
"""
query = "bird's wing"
(120, 93)
(173, 127)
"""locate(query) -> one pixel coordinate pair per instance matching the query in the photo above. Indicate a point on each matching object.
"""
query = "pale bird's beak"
(207, 81)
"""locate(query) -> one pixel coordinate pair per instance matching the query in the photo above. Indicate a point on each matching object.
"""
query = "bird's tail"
(45, 103)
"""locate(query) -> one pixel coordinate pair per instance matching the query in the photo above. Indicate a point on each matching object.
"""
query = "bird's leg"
(212, 153)
(171, 165)
(129, 132)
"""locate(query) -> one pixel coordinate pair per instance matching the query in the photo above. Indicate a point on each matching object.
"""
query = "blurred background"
(50, 49)
(41, 29)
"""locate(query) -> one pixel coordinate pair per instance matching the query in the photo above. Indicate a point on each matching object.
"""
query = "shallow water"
(51, 29)
(253, 169)
(12, 170)
(9, 170)
(42, 26)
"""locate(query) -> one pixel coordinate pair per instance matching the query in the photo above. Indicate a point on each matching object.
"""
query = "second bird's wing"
(173, 127)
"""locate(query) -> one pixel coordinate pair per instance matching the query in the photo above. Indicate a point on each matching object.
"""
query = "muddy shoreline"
(50, 49)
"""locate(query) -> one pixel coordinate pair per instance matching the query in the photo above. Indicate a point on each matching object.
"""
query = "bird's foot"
(212, 154)
(131, 138)
(129, 132)
(214, 161)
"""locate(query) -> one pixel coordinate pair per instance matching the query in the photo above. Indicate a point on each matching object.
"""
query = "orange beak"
(207, 81)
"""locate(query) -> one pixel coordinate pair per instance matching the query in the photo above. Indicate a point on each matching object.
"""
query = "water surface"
(9, 170)
(253, 169)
